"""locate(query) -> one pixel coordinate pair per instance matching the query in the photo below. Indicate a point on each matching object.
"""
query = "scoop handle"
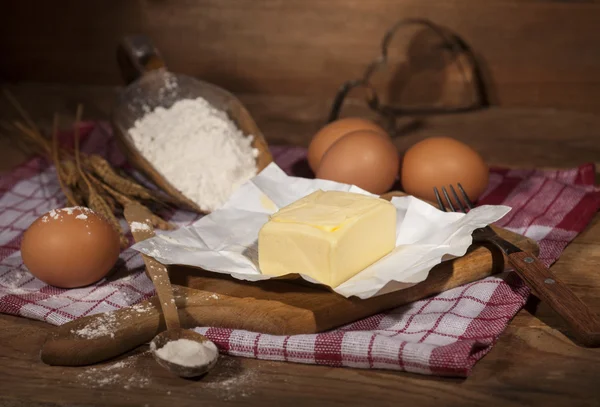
(137, 55)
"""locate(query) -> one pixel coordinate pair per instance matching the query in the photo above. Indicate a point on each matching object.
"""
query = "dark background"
(534, 53)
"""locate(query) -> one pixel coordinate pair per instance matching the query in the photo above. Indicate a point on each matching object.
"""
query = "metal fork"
(537, 276)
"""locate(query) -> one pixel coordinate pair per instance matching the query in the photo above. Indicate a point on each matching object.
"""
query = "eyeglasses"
(461, 53)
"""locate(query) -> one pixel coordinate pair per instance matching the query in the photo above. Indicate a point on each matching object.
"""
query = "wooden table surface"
(533, 363)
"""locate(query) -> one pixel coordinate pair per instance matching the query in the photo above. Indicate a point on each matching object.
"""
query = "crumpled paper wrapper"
(226, 240)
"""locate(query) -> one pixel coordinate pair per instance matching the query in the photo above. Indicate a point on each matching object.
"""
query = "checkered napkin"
(442, 335)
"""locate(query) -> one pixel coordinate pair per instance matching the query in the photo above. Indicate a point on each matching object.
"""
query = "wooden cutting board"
(280, 307)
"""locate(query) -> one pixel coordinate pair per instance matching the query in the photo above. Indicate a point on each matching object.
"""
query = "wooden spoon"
(151, 85)
(138, 218)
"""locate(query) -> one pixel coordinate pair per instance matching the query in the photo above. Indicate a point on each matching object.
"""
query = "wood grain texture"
(277, 306)
(137, 326)
(557, 295)
(533, 52)
(504, 137)
(329, 310)
(533, 363)
(530, 365)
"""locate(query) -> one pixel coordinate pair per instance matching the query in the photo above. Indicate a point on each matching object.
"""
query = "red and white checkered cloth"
(442, 335)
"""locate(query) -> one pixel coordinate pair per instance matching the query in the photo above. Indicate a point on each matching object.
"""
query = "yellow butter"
(329, 236)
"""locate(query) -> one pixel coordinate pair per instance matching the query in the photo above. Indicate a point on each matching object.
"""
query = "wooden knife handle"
(558, 295)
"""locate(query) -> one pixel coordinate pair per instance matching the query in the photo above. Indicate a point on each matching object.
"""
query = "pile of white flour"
(185, 352)
(198, 149)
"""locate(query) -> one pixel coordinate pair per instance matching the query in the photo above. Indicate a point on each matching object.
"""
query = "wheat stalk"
(95, 201)
(87, 179)
(57, 164)
(108, 175)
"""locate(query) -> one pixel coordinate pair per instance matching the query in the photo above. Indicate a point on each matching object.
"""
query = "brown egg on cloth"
(332, 132)
(363, 158)
(443, 161)
(70, 247)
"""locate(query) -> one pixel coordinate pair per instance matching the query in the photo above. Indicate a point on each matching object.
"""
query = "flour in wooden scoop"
(198, 149)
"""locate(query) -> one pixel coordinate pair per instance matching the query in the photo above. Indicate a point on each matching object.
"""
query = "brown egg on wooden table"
(443, 161)
(332, 132)
(70, 247)
(363, 158)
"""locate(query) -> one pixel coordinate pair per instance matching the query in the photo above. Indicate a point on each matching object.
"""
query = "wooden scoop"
(152, 86)
(139, 221)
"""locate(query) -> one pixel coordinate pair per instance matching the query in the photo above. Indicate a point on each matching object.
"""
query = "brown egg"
(443, 161)
(332, 132)
(363, 158)
(70, 247)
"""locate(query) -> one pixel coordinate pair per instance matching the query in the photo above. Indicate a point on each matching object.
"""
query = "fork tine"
(439, 199)
(462, 206)
(464, 194)
(448, 199)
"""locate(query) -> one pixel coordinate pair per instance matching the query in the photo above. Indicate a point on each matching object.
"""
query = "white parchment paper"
(226, 240)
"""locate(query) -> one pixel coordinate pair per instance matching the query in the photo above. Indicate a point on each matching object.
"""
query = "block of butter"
(327, 235)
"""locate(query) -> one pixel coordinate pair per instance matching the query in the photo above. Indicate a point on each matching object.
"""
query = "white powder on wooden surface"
(142, 308)
(232, 380)
(124, 373)
(139, 226)
(185, 352)
(198, 149)
(105, 325)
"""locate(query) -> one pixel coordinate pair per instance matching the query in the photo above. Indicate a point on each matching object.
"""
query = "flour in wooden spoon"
(198, 149)
(185, 352)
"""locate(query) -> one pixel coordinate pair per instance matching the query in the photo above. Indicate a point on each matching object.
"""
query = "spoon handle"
(138, 218)
(160, 278)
